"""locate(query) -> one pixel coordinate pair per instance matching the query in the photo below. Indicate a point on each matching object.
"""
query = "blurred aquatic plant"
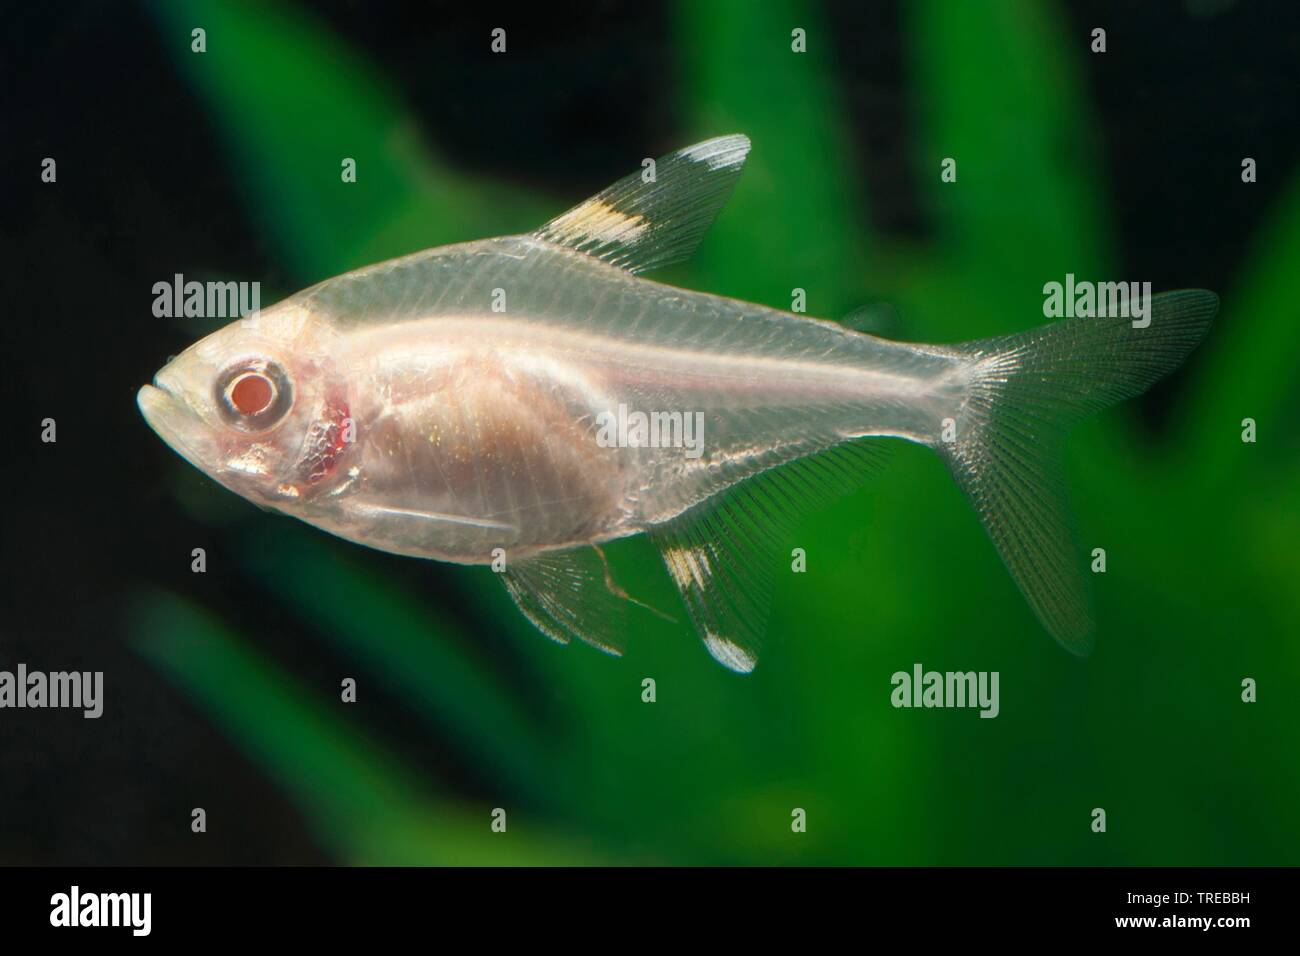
(1151, 727)
(362, 804)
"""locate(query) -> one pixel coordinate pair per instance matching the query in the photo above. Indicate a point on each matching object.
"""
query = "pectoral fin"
(571, 594)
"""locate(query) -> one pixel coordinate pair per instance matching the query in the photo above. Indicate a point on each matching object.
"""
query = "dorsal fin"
(657, 216)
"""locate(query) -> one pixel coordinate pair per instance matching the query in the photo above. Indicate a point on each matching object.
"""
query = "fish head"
(258, 406)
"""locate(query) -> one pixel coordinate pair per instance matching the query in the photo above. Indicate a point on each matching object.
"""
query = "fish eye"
(254, 394)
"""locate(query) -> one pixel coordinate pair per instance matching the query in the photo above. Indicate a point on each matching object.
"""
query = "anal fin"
(723, 554)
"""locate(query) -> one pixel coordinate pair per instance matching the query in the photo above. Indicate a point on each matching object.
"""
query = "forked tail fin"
(1028, 389)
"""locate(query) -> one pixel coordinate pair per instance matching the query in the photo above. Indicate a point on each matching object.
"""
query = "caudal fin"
(1028, 390)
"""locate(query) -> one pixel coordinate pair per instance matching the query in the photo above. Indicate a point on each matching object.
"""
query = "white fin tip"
(719, 153)
(730, 654)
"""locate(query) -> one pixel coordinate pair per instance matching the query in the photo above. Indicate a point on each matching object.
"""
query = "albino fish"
(519, 401)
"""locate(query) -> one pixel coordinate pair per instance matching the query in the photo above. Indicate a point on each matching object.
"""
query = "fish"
(520, 401)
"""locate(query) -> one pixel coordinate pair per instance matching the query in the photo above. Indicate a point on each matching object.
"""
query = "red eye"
(252, 393)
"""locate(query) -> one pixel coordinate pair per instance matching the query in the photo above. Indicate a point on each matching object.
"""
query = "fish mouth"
(155, 402)
(169, 417)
